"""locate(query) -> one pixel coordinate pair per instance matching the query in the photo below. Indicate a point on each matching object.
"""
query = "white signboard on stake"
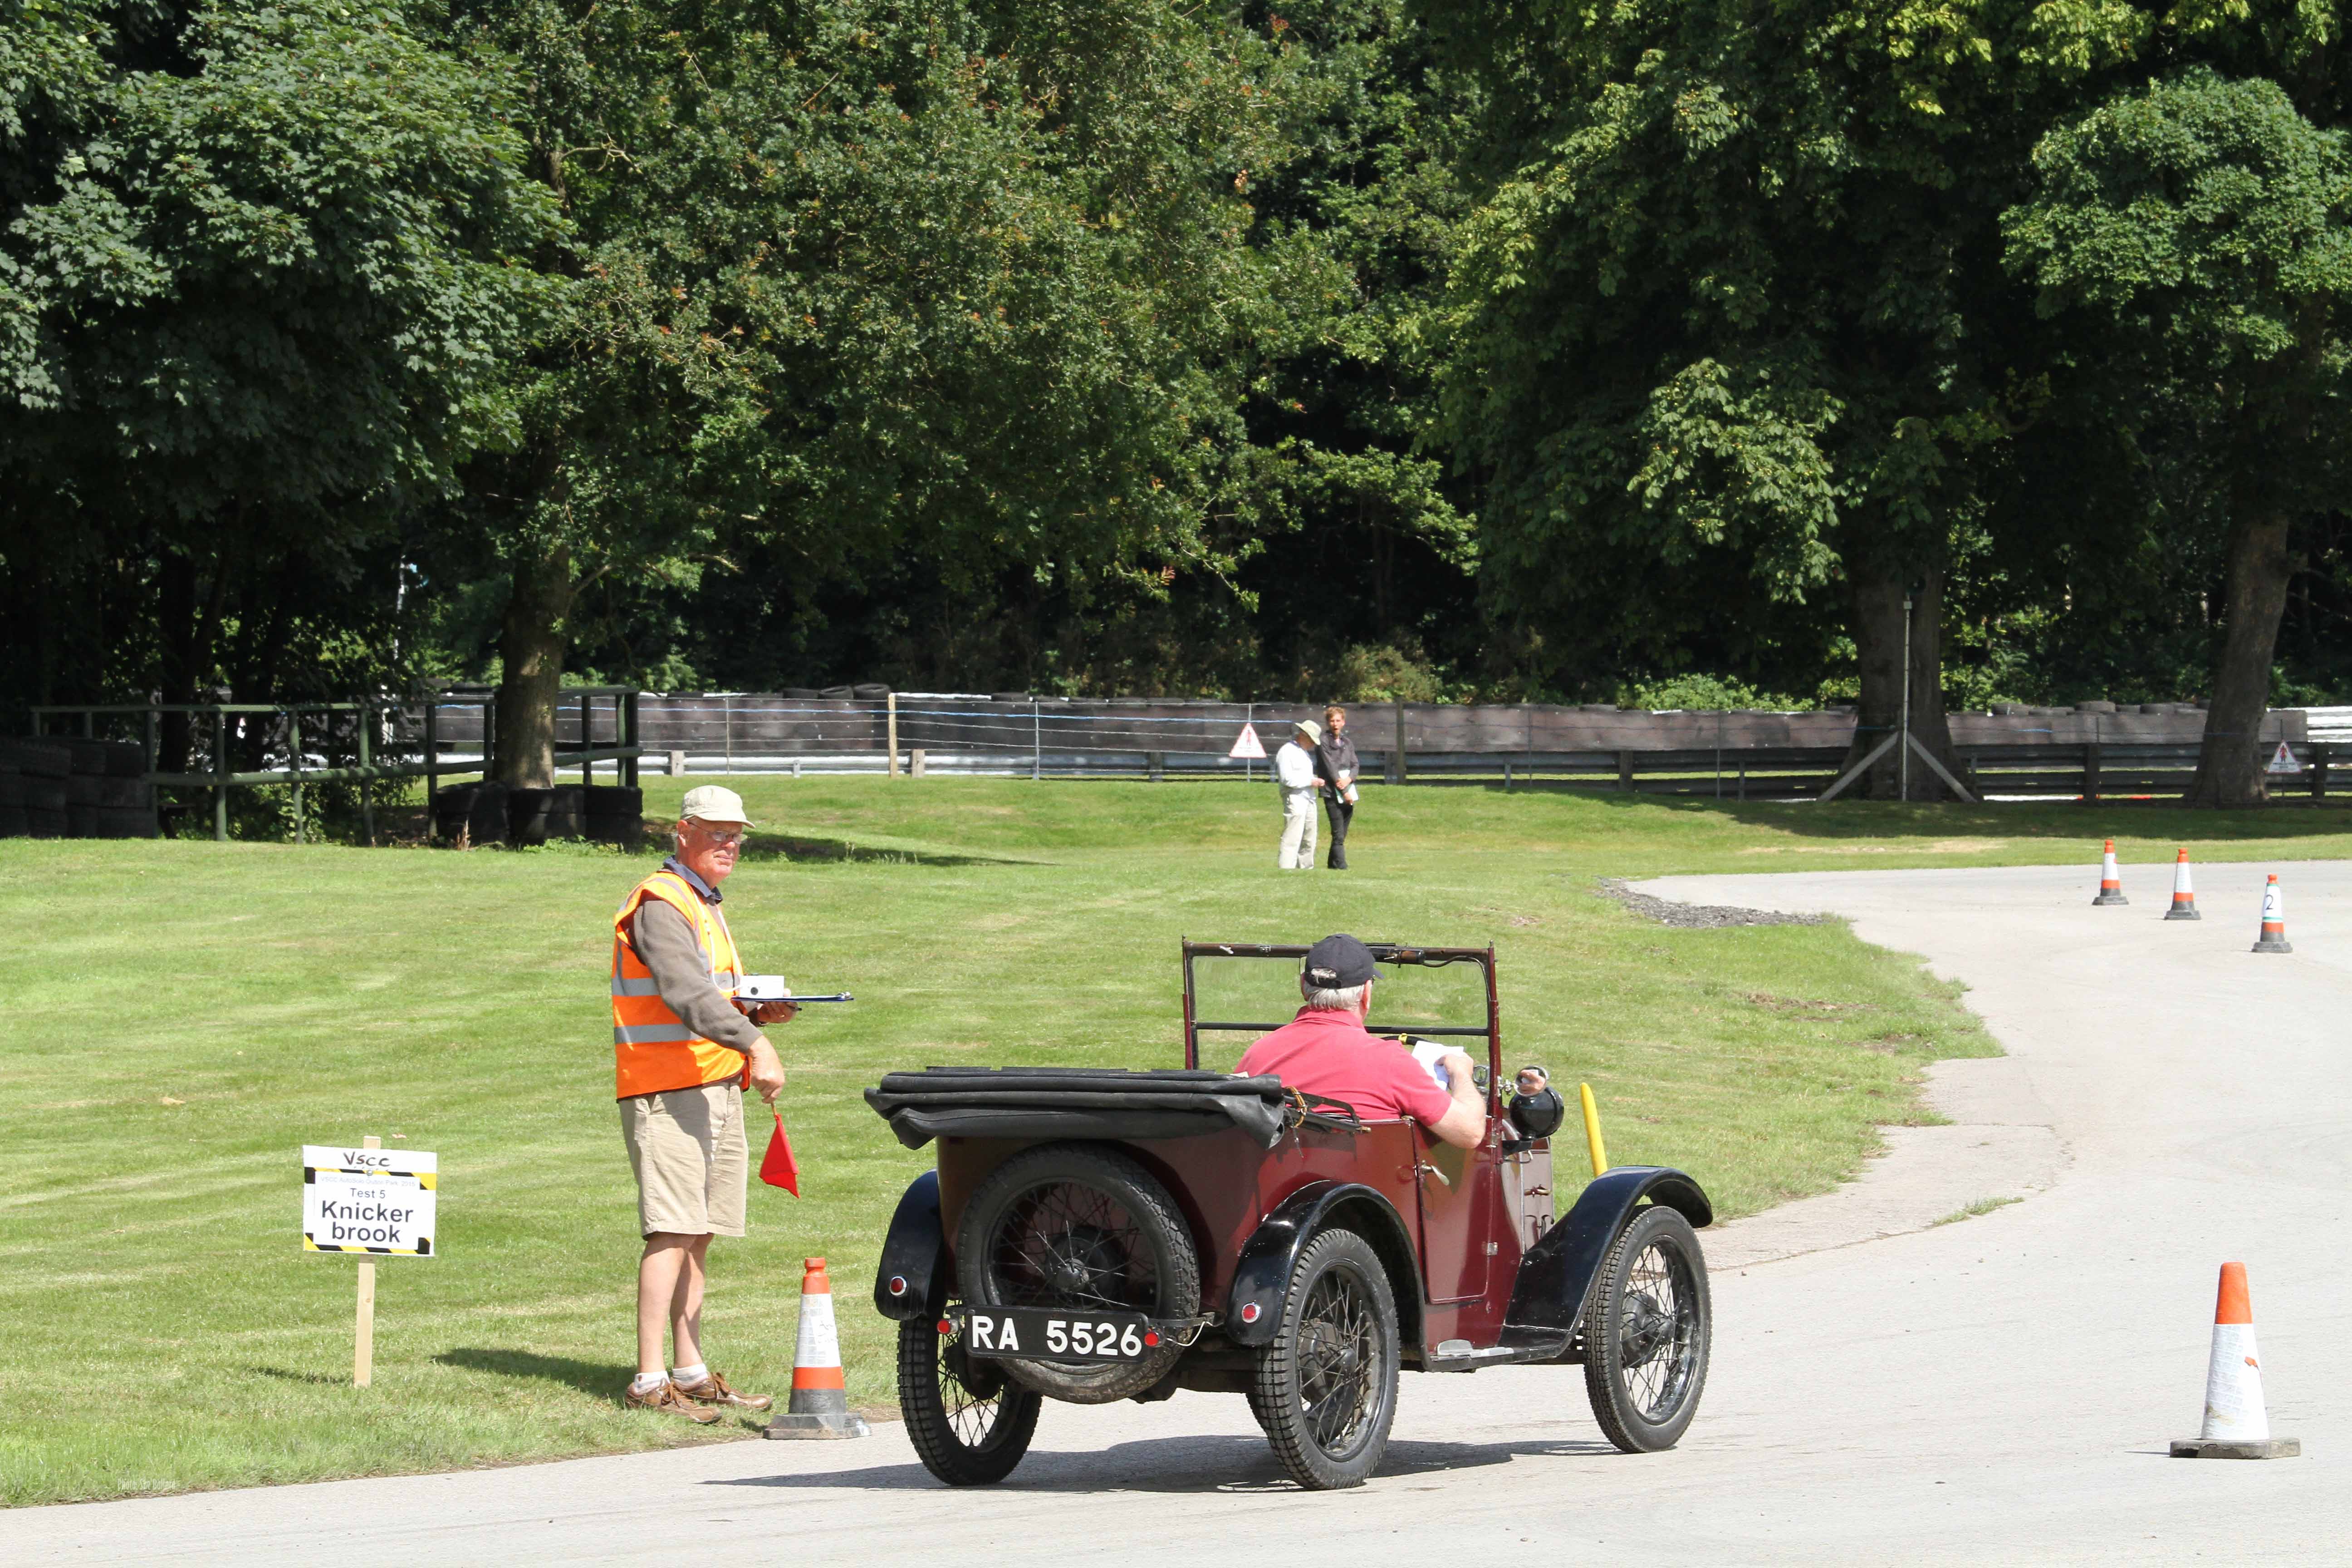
(1247, 745)
(2283, 762)
(376, 1203)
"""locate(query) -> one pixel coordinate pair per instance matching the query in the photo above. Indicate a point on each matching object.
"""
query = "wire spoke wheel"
(970, 1424)
(1646, 1333)
(1325, 1390)
(1655, 1324)
(1081, 1228)
(1336, 1351)
(1070, 1246)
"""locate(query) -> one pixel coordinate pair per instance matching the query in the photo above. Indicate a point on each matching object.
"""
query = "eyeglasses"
(720, 835)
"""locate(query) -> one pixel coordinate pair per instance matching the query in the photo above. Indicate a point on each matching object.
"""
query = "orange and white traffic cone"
(820, 1404)
(2184, 897)
(2111, 881)
(2236, 1424)
(2273, 937)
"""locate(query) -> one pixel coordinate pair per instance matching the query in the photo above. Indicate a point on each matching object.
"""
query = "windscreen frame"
(1395, 953)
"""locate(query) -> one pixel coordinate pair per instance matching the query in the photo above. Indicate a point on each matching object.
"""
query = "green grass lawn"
(176, 1018)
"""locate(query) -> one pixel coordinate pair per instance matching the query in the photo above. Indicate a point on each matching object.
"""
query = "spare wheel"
(1079, 1227)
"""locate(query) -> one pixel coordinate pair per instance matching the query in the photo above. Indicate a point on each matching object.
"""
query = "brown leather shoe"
(713, 1390)
(669, 1401)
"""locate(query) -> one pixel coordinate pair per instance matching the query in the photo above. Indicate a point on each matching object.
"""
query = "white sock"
(689, 1374)
(647, 1382)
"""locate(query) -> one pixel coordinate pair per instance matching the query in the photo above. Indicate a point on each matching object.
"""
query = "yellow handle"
(1592, 1131)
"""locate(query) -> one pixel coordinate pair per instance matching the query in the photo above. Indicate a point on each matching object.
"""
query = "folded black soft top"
(1076, 1102)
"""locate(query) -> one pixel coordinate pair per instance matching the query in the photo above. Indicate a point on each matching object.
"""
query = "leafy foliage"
(258, 276)
(1357, 347)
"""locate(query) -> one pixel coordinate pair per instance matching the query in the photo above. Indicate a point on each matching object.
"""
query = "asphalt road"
(1998, 1389)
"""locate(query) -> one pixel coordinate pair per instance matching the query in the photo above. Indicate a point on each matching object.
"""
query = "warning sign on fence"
(2283, 762)
(1247, 744)
(376, 1202)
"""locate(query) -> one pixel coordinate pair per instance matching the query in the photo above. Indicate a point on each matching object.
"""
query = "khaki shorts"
(687, 1147)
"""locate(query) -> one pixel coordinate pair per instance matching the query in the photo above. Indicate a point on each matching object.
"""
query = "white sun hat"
(714, 802)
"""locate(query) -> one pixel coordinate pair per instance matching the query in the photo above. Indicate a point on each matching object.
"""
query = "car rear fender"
(1555, 1276)
(912, 1280)
(1267, 1260)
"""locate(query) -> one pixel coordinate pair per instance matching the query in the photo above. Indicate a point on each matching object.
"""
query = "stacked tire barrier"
(55, 788)
(475, 815)
(536, 816)
(613, 814)
(470, 814)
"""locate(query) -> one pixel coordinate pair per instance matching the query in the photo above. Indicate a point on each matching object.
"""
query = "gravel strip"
(1699, 917)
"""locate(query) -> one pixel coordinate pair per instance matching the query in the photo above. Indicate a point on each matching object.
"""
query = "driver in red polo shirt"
(1326, 1050)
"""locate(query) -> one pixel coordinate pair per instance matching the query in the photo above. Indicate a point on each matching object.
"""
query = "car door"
(1455, 1187)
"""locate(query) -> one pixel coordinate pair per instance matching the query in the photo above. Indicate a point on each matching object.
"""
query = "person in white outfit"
(1296, 778)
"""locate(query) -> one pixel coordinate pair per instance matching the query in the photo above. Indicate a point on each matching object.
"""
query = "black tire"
(1646, 1333)
(970, 1424)
(1081, 1228)
(87, 759)
(45, 758)
(625, 801)
(478, 811)
(1325, 1389)
(612, 813)
(537, 817)
(116, 793)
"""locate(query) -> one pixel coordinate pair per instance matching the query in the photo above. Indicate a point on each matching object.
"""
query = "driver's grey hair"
(1341, 999)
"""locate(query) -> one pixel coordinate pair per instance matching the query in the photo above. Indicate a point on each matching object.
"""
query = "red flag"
(779, 1169)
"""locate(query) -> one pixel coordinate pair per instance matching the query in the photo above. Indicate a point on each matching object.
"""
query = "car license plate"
(1035, 1333)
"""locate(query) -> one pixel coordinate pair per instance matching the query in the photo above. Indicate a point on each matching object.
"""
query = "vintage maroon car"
(1097, 1234)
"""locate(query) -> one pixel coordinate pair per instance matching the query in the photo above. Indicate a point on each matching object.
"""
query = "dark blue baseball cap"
(1337, 963)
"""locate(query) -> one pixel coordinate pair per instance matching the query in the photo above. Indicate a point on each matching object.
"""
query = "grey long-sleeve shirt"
(1335, 756)
(666, 941)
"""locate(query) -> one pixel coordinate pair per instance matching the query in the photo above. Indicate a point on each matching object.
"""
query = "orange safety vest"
(653, 1049)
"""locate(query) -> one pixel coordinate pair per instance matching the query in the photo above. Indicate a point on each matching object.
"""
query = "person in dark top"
(1334, 764)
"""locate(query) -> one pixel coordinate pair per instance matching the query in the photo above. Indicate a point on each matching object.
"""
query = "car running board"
(1534, 1345)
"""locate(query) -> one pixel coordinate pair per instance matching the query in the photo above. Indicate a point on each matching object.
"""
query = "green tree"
(1732, 306)
(2208, 225)
(867, 283)
(1364, 544)
(257, 284)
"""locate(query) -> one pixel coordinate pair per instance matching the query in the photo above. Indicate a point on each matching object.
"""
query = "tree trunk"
(2229, 765)
(187, 633)
(531, 645)
(1876, 610)
(176, 633)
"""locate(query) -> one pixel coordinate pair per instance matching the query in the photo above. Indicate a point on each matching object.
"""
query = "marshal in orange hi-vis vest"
(653, 1049)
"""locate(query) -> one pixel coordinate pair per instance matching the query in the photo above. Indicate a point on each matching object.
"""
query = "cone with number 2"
(2273, 936)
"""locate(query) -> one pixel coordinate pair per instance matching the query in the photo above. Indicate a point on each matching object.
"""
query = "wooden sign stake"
(363, 1340)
